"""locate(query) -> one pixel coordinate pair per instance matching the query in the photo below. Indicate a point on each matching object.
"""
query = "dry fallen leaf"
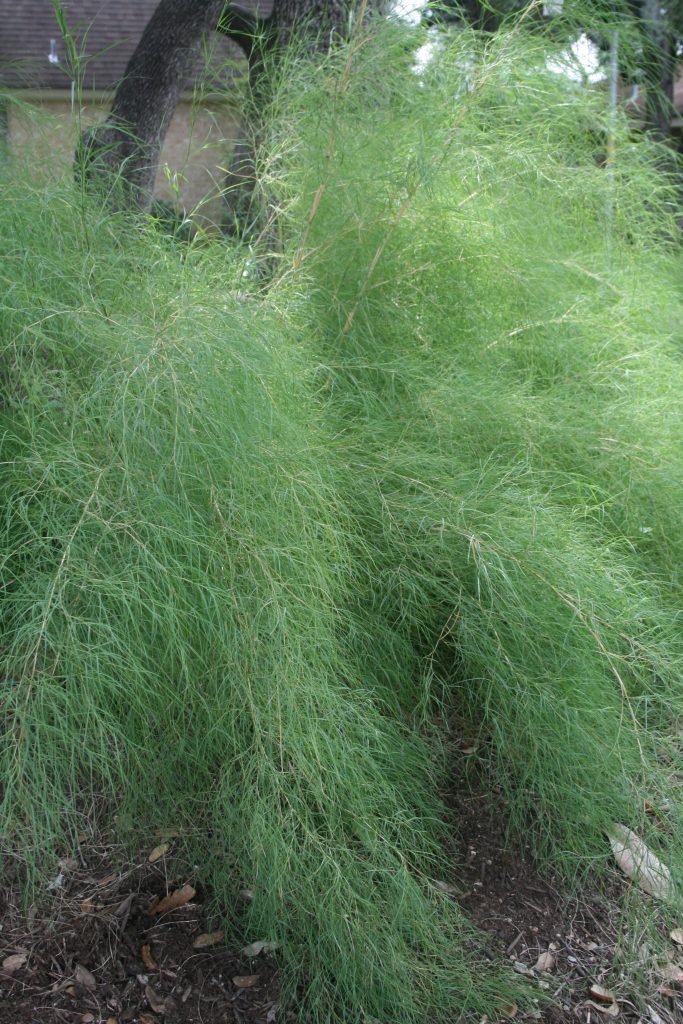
(245, 980)
(254, 948)
(14, 962)
(603, 995)
(112, 1020)
(612, 1010)
(671, 972)
(509, 1010)
(83, 976)
(107, 880)
(522, 969)
(445, 887)
(208, 939)
(87, 906)
(87, 1018)
(545, 963)
(638, 862)
(158, 852)
(155, 1001)
(147, 1018)
(147, 958)
(178, 898)
(677, 936)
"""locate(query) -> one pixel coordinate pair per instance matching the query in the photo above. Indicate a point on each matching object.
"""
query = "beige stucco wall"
(43, 129)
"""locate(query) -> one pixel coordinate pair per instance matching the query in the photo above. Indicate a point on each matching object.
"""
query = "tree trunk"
(661, 60)
(321, 20)
(123, 153)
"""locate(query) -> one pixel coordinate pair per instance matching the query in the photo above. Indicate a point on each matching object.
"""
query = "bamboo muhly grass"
(260, 540)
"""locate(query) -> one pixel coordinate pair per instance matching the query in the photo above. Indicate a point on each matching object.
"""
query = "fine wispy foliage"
(264, 550)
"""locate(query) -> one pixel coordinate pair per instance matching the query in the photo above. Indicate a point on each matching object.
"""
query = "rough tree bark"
(123, 154)
(125, 150)
(322, 21)
(661, 63)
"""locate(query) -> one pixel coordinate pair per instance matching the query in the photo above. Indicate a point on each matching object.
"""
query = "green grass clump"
(174, 558)
(260, 549)
(498, 320)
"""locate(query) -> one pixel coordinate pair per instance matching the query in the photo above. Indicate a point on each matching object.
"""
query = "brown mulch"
(97, 950)
(95, 953)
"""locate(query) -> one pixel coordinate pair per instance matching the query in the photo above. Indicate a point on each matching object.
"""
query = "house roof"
(33, 51)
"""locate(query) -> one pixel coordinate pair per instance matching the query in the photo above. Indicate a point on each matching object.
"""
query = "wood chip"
(245, 980)
(178, 898)
(207, 939)
(147, 958)
(158, 852)
(14, 962)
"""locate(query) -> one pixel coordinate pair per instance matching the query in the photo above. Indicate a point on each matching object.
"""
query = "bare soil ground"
(566, 945)
(104, 950)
